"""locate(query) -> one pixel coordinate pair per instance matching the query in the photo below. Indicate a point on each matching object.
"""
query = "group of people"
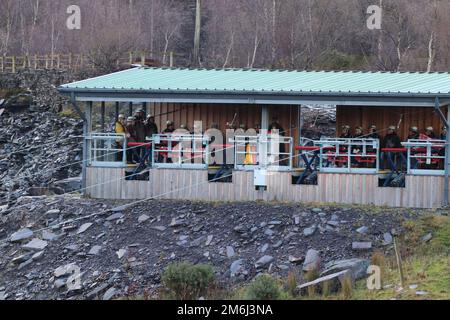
(392, 140)
(136, 129)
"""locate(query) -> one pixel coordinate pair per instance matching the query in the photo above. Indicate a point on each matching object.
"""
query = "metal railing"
(180, 151)
(355, 155)
(425, 157)
(107, 150)
(271, 152)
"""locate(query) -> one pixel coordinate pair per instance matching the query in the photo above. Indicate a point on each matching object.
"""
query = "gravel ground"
(125, 249)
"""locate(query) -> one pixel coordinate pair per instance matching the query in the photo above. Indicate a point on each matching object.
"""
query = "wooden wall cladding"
(383, 117)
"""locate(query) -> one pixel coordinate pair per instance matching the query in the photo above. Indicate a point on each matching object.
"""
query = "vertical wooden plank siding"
(383, 117)
(420, 191)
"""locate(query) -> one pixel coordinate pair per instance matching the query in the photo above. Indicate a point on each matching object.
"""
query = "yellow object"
(119, 128)
(250, 159)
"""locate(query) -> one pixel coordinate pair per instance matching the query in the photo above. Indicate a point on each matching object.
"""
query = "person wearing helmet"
(373, 134)
(132, 155)
(345, 132)
(390, 141)
(170, 127)
(444, 133)
(150, 126)
(429, 132)
(119, 128)
(139, 125)
(413, 133)
(359, 132)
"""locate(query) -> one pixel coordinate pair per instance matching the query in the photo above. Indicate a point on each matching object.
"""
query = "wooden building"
(256, 98)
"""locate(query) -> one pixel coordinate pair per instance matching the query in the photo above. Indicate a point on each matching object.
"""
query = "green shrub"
(185, 281)
(263, 287)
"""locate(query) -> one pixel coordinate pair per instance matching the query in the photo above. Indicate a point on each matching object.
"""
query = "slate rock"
(361, 245)
(22, 234)
(358, 267)
(84, 227)
(109, 294)
(95, 250)
(143, 218)
(387, 238)
(35, 245)
(115, 216)
(312, 260)
(49, 236)
(263, 261)
(236, 267)
(307, 232)
(362, 230)
(230, 252)
(427, 237)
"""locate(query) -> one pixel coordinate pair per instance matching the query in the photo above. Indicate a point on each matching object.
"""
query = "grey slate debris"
(22, 234)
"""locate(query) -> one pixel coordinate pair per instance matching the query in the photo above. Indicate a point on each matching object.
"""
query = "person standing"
(150, 127)
(130, 127)
(413, 133)
(119, 128)
(373, 134)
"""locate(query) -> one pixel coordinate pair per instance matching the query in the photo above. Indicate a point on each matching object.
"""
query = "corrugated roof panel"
(252, 80)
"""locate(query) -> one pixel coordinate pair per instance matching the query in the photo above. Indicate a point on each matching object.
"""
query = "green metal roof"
(267, 81)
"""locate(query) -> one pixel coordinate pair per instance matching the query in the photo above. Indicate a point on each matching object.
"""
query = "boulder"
(307, 232)
(357, 267)
(263, 261)
(312, 260)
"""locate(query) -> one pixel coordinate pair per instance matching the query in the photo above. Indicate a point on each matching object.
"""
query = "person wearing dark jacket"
(140, 126)
(373, 132)
(150, 127)
(132, 154)
(345, 132)
(413, 133)
(429, 132)
(390, 141)
(444, 133)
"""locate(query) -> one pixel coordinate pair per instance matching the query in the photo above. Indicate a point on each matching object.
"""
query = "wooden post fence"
(71, 61)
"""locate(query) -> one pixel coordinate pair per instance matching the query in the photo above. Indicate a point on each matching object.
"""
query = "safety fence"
(78, 61)
(271, 153)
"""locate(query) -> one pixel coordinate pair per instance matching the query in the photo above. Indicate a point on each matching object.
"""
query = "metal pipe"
(447, 144)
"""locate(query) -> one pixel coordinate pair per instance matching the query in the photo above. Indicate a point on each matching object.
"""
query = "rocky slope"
(37, 146)
(122, 250)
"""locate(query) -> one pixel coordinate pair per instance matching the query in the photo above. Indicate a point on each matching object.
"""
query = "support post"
(299, 129)
(445, 120)
(84, 117)
(130, 110)
(262, 148)
(144, 107)
(87, 128)
(102, 119)
(117, 111)
(265, 117)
